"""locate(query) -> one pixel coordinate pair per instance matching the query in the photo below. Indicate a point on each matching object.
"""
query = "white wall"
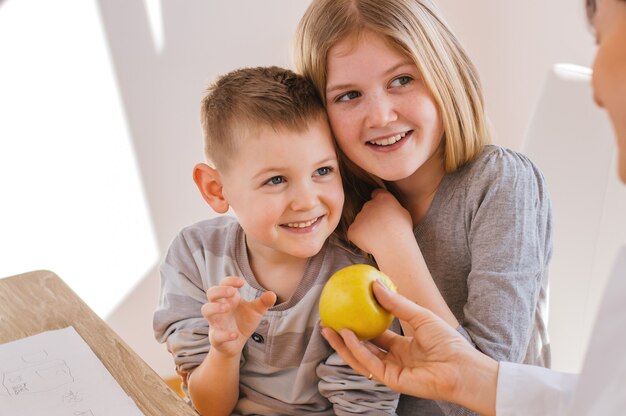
(514, 44)
(72, 197)
(572, 141)
(113, 86)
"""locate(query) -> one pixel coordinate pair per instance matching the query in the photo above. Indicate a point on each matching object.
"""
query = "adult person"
(437, 363)
(463, 227)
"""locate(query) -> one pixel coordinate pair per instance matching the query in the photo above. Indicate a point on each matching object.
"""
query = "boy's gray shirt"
(487, 241)
(287, 367)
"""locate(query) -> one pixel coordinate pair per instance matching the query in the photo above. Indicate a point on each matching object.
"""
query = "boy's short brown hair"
(247, 99)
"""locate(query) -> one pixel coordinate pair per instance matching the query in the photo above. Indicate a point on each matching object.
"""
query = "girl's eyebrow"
(392, 69)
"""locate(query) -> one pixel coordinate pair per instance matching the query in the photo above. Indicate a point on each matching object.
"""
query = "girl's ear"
(209, 183)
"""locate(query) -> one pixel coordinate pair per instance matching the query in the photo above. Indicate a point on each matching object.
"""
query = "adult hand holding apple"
(347, 301)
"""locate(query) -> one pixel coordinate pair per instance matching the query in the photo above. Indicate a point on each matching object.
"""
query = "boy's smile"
(286, 190)
(305, 226)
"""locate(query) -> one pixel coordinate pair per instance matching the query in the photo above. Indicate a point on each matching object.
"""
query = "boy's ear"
(209, 183)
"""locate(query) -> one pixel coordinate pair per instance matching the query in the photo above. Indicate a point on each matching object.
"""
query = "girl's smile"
(382, 114)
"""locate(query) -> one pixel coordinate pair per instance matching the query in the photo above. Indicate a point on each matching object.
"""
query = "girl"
(438, 363)
(463, 228)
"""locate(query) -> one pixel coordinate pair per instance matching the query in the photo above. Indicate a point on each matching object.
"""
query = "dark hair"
(591, 9)
(252, 98)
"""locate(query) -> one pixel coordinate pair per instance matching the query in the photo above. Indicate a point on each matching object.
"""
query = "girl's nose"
(381, 111)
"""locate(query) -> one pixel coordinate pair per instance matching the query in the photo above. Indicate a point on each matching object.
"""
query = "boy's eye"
(350, 95)
(275, 180)
(401, 81)
(326, 170)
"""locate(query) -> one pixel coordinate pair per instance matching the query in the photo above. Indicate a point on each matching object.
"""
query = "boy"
(255, 346)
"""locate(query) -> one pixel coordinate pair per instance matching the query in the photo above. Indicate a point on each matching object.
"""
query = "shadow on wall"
(161, 91)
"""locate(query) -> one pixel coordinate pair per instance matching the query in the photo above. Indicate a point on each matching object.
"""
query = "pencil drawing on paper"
(71, 397)
(35, 377)
(83, 413)
(55, 373)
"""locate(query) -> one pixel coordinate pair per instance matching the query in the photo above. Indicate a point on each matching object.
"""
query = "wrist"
(477, 383)
(223, 355)
(216, 377)
(395, 255)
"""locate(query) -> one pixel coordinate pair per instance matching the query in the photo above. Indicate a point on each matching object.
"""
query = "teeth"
(389, 140)
(301, 224)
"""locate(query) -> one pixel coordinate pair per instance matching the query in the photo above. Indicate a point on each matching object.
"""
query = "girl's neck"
(416, 192)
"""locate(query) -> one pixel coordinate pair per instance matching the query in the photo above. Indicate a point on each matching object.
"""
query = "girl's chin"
(395, 174)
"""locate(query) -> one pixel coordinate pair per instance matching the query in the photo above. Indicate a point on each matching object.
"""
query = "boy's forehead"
(272, 149)
(315, 136)
(268, 131)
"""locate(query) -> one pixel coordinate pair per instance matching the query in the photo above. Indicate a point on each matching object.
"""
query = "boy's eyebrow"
(327, 160)
(278, 170)
(387, 72)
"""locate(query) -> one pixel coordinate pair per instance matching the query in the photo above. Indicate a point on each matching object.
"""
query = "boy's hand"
(380, 224)
(232, 320)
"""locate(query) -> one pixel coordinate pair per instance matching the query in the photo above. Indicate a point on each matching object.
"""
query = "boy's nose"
(380, 111)
(304, 198)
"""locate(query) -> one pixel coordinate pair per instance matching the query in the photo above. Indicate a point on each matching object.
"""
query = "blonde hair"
(417, 29)
(251, 98)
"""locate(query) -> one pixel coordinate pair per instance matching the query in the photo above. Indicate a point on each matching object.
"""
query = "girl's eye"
(401, 81)
(350, 95)
(275, 180)
(326, 170)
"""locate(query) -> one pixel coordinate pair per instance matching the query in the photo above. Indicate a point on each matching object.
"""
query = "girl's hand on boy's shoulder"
(378, 221)
(232, 320)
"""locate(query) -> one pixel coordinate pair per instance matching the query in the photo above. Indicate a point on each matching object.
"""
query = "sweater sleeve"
(508, 218)
(350, 393)
(509, 224)
(178, 321)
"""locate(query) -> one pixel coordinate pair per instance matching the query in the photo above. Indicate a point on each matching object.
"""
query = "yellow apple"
(347, 301)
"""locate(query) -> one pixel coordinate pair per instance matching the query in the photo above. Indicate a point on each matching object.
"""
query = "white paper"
(55, 373)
